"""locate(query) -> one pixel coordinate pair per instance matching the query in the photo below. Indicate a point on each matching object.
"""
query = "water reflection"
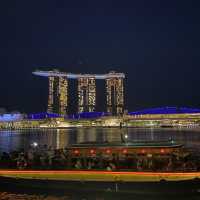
(60, 138)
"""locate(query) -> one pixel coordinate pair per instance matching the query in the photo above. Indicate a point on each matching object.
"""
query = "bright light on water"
(35, 144)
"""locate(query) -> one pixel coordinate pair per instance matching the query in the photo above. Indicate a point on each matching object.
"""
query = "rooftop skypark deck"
(77, 76)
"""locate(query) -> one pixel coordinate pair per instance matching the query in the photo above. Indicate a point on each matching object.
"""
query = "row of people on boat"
(141, 163)
(49, 158)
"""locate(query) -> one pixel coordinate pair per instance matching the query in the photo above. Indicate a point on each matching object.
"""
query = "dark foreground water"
(16, 140)
(42, 196)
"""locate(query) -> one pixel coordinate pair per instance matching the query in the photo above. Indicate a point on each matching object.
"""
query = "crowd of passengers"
(48, 158)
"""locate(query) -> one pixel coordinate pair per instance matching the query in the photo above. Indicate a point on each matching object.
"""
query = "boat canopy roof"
(135, 144)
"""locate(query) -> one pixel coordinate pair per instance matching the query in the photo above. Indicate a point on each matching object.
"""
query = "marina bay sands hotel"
(58, 91)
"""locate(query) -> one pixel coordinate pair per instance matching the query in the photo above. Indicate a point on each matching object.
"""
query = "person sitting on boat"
(78, 164)
(21, 161)
(108, 168)
(111, 167)
(91, 164)
(169, 166)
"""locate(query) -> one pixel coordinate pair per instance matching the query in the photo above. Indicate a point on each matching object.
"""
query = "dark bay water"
(22, 196)
(60, 138)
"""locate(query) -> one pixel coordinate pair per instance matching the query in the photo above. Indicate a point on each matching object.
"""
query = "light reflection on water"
(60, 138)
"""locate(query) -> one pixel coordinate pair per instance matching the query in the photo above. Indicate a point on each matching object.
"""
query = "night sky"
(155, 43)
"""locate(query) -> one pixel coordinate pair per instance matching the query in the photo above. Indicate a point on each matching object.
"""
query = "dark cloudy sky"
(155, 43)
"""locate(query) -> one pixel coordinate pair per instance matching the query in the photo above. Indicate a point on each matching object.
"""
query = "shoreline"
(106, 127)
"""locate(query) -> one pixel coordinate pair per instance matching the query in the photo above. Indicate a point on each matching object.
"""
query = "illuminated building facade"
(62, 95)
(57, 101)
(86, 94)
(115, 95)
(51, 95)
(58, 89)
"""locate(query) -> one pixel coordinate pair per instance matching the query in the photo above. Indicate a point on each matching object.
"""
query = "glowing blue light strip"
(10, 117)
(166, 110)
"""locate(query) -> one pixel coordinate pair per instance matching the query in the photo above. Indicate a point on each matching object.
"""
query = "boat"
(120, 148)
(100, 180)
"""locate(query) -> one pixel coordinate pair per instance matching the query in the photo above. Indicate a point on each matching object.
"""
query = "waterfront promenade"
(141, 121)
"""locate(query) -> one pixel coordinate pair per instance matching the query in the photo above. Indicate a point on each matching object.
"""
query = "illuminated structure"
(167, 111)
(58, 86)
(51, 96)
(86, 94)
(63, 86)
(57, 102)
(115, 95)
